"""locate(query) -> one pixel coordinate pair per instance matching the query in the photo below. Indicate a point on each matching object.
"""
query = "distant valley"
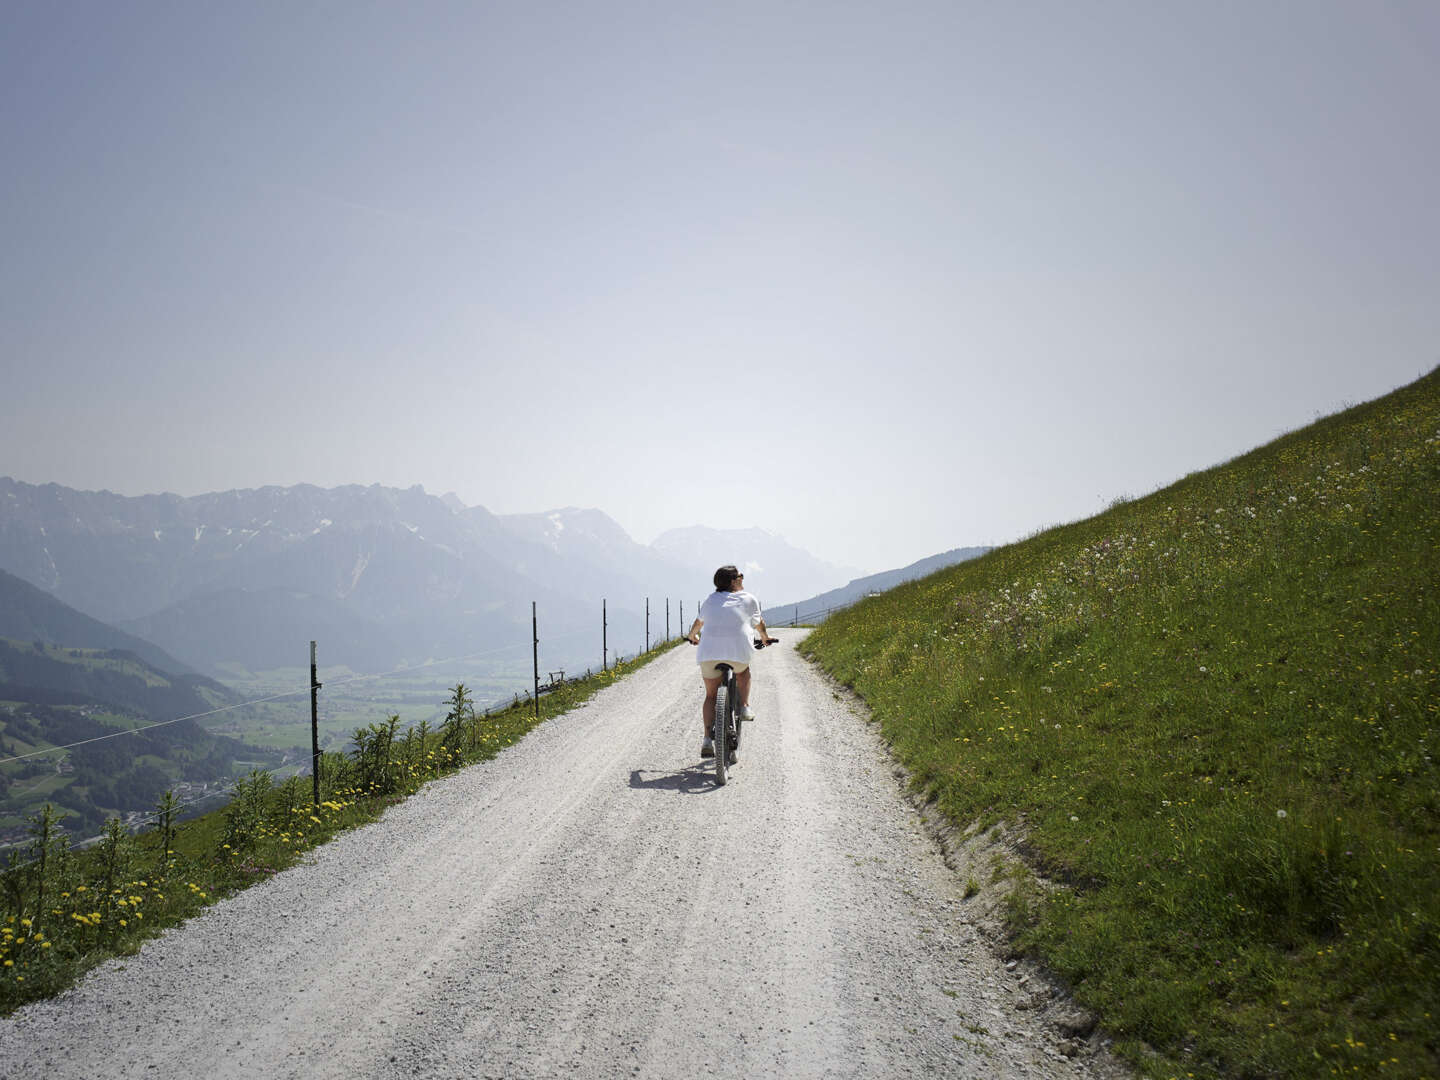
(69, 680)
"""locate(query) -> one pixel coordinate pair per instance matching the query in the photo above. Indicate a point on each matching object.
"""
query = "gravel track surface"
(590, 904)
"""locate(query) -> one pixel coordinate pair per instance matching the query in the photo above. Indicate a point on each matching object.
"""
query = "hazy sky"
(884, 278)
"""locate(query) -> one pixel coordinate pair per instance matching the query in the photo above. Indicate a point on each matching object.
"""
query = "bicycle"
(726, 728)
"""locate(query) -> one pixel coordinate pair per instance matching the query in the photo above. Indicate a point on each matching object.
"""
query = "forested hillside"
(54, 696)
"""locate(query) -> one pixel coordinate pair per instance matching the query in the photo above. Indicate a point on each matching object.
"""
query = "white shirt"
(728, 618)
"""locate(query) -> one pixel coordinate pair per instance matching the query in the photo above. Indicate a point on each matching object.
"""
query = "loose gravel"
(590, 904)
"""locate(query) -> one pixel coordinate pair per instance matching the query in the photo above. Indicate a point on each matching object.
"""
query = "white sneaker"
(745, 713)
(707, 748)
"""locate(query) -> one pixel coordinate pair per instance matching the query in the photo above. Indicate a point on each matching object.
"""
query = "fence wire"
(489, 709)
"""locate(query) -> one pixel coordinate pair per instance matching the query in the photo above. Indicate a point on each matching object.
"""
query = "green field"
(350, 700)
(1210, 718)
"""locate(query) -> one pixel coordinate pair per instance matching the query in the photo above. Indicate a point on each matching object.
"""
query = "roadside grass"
(1212, 714)
(63, 911)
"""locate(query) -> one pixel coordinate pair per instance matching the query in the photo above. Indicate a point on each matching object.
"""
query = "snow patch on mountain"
(361, 562)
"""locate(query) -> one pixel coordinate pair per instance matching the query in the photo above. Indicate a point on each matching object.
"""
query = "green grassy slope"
(1215, 711)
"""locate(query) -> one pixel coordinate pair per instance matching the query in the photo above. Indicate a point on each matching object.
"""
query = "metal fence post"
(647, 624)
(535, 652)
(604, 639)
(314, 729)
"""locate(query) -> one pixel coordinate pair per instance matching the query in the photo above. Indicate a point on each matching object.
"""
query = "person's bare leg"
(707, 711)
(742, 683)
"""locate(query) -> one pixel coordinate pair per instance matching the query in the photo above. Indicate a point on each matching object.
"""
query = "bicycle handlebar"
(754, 641)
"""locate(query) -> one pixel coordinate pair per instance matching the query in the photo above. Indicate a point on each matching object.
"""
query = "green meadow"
(348, 700)
(1210, 714)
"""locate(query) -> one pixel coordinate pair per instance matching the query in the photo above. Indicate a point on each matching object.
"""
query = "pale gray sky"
(883, 278)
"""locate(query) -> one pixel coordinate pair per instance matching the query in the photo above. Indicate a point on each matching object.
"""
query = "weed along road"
(590, 904)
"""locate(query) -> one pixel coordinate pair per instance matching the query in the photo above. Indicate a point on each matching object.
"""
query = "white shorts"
(710, 669)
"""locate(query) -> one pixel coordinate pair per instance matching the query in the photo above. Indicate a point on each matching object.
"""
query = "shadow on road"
(691, 780)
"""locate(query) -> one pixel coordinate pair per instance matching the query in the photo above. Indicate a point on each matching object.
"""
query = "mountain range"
(382, 576)
(816, 608)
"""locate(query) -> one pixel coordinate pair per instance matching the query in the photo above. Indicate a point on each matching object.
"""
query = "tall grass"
(63, 911)
(1212, 711)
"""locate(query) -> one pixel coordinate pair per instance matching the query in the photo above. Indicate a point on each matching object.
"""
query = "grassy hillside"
(1212, 715)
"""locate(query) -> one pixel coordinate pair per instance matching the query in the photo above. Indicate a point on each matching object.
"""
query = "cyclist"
(728, 614)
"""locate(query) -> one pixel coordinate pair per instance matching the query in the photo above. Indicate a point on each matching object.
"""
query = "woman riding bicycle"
(728, 614)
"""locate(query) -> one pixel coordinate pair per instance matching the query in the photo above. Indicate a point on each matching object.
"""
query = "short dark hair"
(725, 577)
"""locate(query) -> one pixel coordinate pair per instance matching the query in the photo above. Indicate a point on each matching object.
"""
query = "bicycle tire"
(722, 749)
(732, 720)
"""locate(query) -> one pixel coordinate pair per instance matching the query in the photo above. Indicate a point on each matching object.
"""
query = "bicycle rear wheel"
(718, 732)
(732, 719)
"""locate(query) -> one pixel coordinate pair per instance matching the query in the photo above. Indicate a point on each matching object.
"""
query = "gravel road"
(589, 904)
